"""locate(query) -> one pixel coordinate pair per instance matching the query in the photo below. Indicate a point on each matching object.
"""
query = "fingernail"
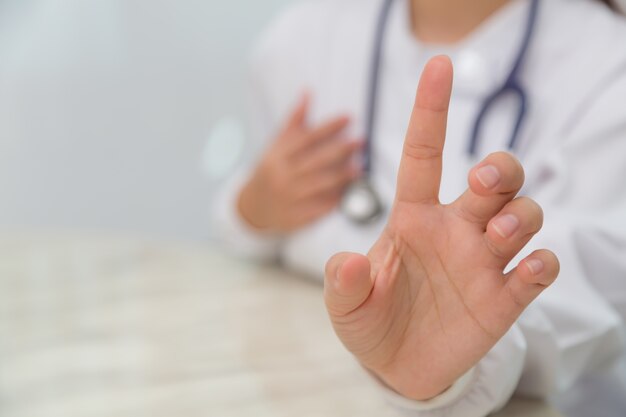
(489, 176)
(506, 225)
(535, 266)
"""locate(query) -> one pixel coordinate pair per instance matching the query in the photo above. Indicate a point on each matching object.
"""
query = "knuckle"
(496, 250)
(463, 212)
(515, 298)
(421, 151)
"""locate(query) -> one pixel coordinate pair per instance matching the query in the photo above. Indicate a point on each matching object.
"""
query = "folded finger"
(312, 137)
(492, 183)
(327, 182)
(524, 283)
(511, 229)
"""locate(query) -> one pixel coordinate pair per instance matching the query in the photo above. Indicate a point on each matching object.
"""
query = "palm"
(428, 276)
(431, 298)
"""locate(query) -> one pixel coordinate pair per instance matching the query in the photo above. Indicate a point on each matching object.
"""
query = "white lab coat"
(568, 344)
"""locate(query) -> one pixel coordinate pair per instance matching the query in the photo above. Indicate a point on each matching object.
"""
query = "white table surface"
(113, 326)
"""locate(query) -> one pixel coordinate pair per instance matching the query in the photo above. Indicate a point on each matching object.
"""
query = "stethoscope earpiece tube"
(374, 84)
(361, 203)
(511, 85)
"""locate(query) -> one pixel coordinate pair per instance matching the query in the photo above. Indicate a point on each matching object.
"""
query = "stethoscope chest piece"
(361, 203)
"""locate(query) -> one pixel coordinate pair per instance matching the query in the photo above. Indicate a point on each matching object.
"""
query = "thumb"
(348, 283)
(297, 117)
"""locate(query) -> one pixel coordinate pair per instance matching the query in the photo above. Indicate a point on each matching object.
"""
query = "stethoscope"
(362, 203)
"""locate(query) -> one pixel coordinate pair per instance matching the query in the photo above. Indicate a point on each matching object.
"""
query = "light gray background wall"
(105, 107)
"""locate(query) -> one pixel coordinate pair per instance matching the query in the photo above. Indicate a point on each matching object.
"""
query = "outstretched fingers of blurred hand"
(329, 155)
(328, 129)
(492, 184)
(524, 283)
(419, 175)
(330, 181)
(307, 211)
(297, 134)
(348, 283)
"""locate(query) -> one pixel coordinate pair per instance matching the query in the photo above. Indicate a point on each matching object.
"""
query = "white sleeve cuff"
(484, 389)
(231, 229)
(457, 390)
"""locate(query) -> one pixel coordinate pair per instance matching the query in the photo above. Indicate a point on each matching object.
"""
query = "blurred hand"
(301, 177)
(431, 297)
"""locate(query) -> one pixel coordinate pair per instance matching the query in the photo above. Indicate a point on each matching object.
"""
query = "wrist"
(250, 210)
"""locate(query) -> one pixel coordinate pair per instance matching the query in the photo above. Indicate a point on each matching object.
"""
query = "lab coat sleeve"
(228, 227)
(233, 232)
(487, 387)
(269, 95)
(574, 328)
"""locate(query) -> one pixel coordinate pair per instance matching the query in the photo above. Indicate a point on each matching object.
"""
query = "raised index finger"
(419, 176)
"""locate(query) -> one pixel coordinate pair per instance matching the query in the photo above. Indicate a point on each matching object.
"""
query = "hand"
(301, 177)
(431, 299)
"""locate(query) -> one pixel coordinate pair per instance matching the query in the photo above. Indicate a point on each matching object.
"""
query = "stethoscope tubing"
(512, 85)
(374, 84)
